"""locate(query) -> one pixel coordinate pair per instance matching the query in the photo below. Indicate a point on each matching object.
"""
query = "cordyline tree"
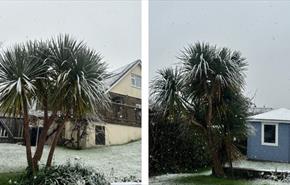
(166, 94)
(18, 72)
(231, 125)
(62, 76)
(198, 88)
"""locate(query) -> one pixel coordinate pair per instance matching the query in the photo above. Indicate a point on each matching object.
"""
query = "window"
(270, 134)
(136, 80)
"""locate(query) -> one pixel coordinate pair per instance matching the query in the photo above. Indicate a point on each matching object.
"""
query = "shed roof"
(281, 114)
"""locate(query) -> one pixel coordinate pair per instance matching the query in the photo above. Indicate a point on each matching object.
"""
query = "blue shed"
(269, 137)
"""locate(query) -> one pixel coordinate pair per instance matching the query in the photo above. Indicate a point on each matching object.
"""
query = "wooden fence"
(11, 130)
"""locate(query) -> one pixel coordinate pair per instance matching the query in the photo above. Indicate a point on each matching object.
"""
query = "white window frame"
(133, 85)
(276, 134)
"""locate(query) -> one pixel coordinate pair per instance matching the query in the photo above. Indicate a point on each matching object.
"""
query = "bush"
(126, 179)
(68, 174)
(175, 148)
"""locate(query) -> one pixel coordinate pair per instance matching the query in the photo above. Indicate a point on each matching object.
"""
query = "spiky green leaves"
(18, 72)
(80, 73)
(166, 91)
(208, 69)
(62, 70)
(205, 71)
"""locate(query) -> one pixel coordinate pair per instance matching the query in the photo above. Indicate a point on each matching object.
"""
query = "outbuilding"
(269, 138)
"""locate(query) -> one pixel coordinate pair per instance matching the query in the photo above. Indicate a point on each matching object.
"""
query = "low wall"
(245, 173)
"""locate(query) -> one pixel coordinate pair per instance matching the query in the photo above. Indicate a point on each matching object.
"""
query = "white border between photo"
(145, 89)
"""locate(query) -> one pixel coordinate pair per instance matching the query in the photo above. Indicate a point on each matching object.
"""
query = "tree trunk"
(229, 152)
(216, 162)
(54, 143)
(78, 137)
(47, 122)
(41, 141)
(40, 146)
(27, 137)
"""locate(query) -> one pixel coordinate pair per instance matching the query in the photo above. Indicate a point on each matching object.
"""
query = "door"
(100, 135)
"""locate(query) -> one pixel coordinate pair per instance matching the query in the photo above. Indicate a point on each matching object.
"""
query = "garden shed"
(269, 138)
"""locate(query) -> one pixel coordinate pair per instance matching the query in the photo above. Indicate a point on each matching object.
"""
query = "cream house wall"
(88, 141)
(121, 134)
(114, 134)
(124, 86)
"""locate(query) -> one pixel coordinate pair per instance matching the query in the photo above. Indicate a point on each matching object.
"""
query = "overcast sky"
(260, 30)
(111, 28)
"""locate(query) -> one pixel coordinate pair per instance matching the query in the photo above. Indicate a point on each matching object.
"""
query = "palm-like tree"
(45, 90)
(166, 93)
(79, 74)
(18, 73)
(208, 71)
(199, 92)
(62, 76)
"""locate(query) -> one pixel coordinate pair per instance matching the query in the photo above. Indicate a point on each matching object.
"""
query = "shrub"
(130, 178)
(175, 147)
(67, 174)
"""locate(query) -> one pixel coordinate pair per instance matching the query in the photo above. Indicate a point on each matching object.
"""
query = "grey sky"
(260, 30)
(111, 28)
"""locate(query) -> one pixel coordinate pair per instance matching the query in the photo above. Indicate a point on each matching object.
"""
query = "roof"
(282, 115)
(119, 73)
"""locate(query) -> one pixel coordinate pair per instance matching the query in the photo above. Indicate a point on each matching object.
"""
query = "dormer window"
(136, 80)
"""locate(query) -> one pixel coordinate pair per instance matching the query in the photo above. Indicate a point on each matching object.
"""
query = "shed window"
(270, 134)
(136, 80)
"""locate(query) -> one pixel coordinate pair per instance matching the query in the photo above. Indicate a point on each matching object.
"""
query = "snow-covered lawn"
(263, 166)
(170, 178)
(114, 161)
(174, 179)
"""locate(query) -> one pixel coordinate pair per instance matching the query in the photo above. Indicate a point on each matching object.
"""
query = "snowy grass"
(114, 161)
(262, 165)
(205, 178)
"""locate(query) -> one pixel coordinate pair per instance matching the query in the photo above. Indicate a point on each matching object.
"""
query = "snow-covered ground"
(170, 179)
(114, 161)
(263, 166)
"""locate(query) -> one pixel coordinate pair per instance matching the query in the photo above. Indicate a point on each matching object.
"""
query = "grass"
(210, 180)
(5, 177)
(124, 163)
(203, 177)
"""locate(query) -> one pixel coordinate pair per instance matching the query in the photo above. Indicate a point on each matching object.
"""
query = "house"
(258, 110)
(269, 139)
(122, 123)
